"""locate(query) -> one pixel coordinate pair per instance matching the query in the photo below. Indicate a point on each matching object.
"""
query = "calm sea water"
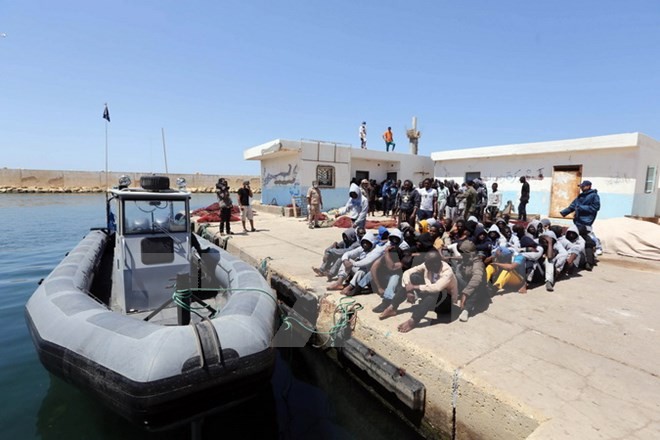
(310, 397)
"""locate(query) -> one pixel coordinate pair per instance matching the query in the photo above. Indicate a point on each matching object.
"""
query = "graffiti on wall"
(618, 179)
(513, 176)
(288, 177)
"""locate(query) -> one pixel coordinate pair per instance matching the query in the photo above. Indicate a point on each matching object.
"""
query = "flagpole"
(106, 155)
(106, 116)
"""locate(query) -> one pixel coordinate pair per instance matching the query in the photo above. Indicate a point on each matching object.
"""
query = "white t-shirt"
(427, 196)
(443, 194)
(495, 199)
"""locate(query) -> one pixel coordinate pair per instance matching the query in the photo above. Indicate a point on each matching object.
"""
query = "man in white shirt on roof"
(363, 135)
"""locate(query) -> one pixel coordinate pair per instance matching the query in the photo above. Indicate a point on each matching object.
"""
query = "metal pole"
(164, 150)
(106, 154)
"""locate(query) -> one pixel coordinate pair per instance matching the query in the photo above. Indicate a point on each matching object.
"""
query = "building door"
(565, 181)
(391, 176)
(472, 175)
(359, 175)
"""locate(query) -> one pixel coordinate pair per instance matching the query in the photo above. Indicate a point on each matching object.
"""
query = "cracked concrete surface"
(582, 362)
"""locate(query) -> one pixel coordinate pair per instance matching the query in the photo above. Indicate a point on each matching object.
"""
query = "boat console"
(152, 243)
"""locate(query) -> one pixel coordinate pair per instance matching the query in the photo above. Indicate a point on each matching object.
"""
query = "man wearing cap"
(586, 206)
(314, 204)
(244, 195)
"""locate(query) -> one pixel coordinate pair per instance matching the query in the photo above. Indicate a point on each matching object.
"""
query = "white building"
(622, 167)
(289, 167)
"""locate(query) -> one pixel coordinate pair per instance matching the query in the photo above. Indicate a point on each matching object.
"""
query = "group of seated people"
(443, 263)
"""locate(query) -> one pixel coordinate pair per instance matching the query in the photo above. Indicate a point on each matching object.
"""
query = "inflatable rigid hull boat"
(158, 323)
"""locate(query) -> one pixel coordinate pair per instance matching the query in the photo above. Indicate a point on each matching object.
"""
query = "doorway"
(565, 181)
(359, 175)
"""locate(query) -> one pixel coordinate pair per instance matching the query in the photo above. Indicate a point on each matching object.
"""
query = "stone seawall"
(63, 181)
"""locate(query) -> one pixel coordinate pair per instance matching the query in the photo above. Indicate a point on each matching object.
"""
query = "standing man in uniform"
(388, 137)
(363, 135)
(314, 204)
(586, 206)
(244, 195)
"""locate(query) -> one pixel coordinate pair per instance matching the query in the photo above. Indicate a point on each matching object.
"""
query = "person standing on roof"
(388, 137)
(363, 135)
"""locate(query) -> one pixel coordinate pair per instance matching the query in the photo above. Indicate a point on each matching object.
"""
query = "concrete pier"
(582, 362)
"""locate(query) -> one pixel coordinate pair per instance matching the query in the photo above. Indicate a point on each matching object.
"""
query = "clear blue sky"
(223, 76)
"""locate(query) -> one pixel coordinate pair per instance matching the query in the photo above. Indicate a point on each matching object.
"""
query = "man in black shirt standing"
(244, 195)
(524, 199)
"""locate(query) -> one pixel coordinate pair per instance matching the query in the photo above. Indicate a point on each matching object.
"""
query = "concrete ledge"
(284, 211)
(456, 405)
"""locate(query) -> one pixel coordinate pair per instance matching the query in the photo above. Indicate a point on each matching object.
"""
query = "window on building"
(650, 179)
(325, 175)
(472, 175)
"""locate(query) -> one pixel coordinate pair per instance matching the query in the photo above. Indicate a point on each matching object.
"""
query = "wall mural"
(284, 178)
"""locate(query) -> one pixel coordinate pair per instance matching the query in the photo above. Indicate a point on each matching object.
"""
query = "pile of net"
(211, 214)
(345, 222)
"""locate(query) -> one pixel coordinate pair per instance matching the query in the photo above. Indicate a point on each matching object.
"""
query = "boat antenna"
(164, 150)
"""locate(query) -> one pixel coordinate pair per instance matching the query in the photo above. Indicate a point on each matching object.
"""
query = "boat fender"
(212, 352)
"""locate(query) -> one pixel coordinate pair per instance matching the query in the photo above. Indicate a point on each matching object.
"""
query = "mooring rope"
(347, 309)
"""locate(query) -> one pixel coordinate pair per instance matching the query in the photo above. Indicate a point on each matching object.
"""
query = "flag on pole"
(106, 113)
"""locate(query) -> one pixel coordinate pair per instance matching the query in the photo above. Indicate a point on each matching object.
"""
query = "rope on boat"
(182, 299)
(347, 310)
(203, 227)
(263, 267)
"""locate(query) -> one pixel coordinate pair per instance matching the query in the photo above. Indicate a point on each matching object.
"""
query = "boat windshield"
(154, 216)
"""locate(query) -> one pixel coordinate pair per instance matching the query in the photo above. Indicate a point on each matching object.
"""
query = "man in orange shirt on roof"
(388, 137)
